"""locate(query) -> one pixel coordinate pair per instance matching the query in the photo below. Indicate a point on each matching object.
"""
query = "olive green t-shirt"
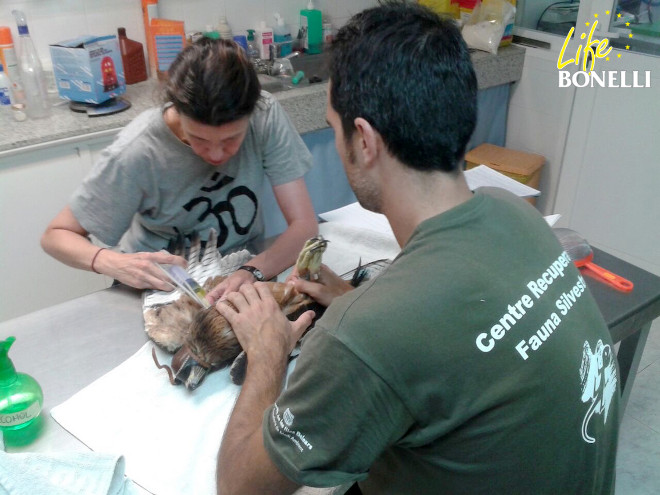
(478, 362)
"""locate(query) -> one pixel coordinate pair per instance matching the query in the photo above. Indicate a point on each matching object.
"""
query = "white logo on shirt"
(288, 417)
(598, 376)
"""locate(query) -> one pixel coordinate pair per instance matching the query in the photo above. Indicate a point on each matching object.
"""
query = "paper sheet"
(355, 216)
(483, 176)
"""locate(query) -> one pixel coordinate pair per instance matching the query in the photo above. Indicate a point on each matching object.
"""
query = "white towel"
(168, 435)
(71, 473)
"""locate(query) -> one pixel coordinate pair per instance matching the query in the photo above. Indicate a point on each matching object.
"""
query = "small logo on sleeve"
(598, 379)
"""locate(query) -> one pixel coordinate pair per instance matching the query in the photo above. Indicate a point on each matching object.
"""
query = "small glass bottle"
(21, 399)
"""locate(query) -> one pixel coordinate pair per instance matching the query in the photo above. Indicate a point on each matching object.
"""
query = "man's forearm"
(244, 466)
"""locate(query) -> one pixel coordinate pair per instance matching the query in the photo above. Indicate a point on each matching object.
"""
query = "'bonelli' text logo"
(589, 52)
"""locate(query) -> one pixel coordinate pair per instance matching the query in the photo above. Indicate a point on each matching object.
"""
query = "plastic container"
(328, 34)
(263, 36)
(311, 25)
(10, 62)
(5, 93)
(33, 80)
(241, 40)
(132, 58)
(21, 399)
(252, 49)
(224, 30)
(281, 37)
(209, 32)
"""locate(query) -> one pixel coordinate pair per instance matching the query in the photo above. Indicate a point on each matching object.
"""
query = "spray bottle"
(32, 73)
(21, 398)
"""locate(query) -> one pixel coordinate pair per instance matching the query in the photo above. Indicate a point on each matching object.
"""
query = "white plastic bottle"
(32, 75)
(224, 29)
(264, 38)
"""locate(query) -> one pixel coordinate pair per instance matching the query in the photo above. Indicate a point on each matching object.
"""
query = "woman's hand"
(328, 286)
(230, 284)
(138, 270)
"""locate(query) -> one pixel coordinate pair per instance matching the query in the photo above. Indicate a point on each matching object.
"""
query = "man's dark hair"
(213, 82)
(408, 72)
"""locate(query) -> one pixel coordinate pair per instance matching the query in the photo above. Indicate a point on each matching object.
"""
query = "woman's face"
(215, 144)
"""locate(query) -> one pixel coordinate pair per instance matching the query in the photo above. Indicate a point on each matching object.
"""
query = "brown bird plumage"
(202, 339)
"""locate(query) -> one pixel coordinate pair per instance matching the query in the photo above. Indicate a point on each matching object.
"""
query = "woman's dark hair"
(213, 82)
(408, 72)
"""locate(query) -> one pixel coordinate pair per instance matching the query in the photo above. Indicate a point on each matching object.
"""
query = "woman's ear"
(369, 140)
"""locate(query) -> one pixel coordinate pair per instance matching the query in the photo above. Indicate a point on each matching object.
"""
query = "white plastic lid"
(310, 5)
(278, 19)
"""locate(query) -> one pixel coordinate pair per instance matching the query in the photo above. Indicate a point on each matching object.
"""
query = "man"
(194, 164)
(477, 362)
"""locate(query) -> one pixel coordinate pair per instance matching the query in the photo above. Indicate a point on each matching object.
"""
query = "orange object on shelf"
(150, 11)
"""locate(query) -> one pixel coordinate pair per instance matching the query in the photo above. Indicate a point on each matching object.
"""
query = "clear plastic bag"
(484, 29)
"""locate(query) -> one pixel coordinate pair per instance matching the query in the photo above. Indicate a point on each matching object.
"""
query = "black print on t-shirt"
(226, 206)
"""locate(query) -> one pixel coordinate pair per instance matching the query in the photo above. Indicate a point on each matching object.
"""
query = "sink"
(311, 65)
(271, 84)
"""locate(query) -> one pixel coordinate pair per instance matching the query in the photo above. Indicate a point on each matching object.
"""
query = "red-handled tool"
(581, 253)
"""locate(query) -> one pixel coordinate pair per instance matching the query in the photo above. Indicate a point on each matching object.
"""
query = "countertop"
(305, 106)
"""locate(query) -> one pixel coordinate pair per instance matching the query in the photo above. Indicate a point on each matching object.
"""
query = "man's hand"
(266, 335)
(328, 286)
(138, 270)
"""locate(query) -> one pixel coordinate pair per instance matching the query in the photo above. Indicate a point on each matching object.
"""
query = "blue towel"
(63, 473)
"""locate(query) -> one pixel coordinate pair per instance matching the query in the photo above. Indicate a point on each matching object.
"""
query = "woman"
(196, 163)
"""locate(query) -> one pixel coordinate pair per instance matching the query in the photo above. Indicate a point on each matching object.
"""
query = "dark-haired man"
(477, 362)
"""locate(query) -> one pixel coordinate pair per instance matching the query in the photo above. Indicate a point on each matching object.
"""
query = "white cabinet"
(34, 186)
(602, 148)
(610, 179)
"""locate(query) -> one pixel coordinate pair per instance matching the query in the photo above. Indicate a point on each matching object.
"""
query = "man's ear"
(369, 140)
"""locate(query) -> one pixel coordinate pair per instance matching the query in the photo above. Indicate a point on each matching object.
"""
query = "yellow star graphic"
(627, 24)
(607, 12)
(607, 58)
(630, 35)
(587, 24)
(618, 55)
(618, 16)
(596, 16)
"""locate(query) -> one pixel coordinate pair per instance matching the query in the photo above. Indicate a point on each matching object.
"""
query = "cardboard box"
(88, 69)
(519, 165)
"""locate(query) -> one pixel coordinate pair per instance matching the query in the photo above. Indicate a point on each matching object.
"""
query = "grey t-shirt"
(148, 186)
